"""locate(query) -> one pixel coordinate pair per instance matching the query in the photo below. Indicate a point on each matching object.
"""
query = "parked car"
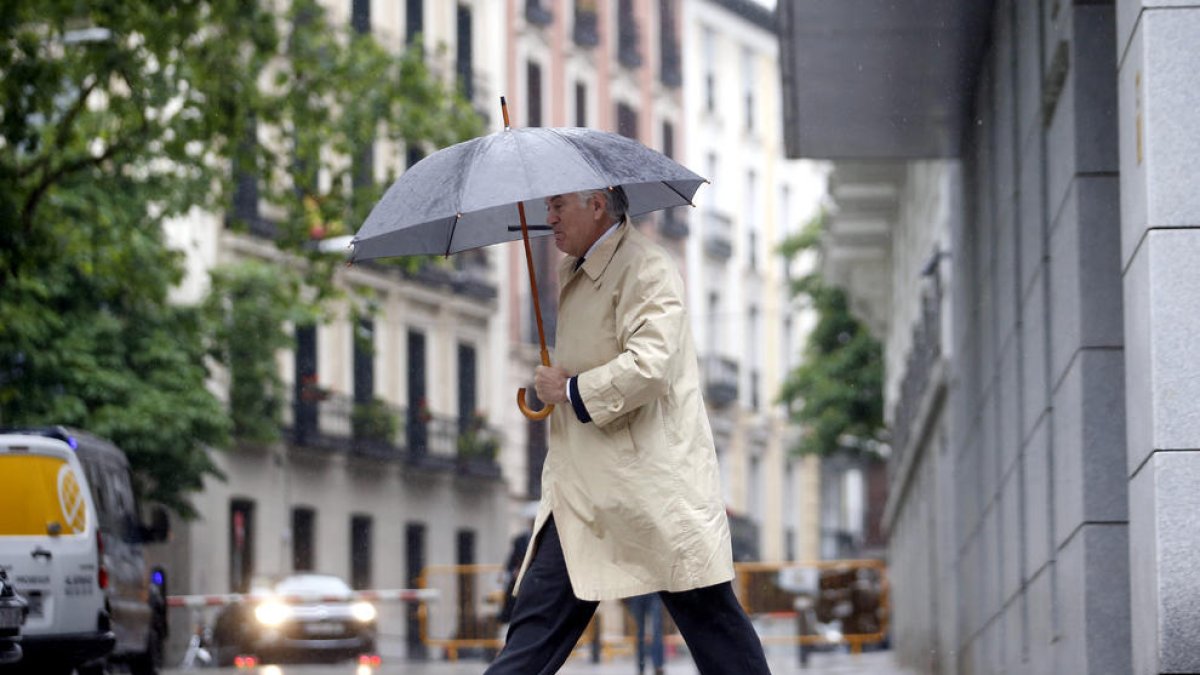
(12, 615)
(301, 617)
(72, 537)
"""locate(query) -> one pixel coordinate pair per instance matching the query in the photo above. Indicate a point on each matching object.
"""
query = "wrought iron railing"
(380, 430)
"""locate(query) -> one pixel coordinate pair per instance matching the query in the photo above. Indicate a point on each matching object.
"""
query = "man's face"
(577, 223)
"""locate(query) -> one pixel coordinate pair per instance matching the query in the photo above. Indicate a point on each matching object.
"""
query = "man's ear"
(599, 204)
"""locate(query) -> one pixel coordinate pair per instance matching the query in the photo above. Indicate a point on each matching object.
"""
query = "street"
(871, 663)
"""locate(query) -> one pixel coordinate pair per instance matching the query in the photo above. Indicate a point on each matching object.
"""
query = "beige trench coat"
(635, 494)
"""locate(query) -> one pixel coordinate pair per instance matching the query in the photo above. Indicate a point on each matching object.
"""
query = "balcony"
(720, 380)
(380, 431)
(718, 235)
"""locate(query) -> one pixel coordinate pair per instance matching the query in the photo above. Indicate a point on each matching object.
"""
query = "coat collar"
(598, 261)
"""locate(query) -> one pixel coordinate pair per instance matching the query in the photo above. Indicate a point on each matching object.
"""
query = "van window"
(38, 491)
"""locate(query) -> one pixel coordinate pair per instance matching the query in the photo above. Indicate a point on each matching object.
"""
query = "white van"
(71, 540)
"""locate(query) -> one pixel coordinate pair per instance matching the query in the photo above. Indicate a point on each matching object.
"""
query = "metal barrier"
(805, 604)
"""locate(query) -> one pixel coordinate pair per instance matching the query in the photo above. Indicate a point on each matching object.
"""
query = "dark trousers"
(548, 621)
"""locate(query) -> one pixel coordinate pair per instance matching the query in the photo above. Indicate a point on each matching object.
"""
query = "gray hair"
(616, 203)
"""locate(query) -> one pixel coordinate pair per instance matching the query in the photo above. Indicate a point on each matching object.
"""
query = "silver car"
(301, 618)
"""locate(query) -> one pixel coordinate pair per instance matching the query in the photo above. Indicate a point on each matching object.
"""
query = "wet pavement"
(870, 663)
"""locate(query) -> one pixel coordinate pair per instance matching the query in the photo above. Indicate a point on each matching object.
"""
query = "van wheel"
(147, 662)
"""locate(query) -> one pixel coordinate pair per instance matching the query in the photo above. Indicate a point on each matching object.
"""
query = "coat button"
(614, 406)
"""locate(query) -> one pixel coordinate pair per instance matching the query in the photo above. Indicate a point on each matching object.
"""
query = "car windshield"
(312, 584)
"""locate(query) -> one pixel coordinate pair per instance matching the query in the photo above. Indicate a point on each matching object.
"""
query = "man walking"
(631, 498)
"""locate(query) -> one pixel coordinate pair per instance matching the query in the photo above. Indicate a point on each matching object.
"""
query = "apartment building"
(371, 481)
(748, 330)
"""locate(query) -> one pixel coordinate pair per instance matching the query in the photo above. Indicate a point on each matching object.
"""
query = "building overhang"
(879, 79)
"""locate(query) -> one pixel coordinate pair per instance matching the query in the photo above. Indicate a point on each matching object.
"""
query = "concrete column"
(1159, 50)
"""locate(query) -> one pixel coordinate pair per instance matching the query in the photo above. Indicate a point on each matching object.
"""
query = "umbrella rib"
(672, 188)
(476, 148)
(453, 227)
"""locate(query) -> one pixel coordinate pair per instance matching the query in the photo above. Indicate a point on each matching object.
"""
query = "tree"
(118, 116)
(836, 393)
(113, 115)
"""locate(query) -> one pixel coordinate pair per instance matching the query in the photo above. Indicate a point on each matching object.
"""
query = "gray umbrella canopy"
(465, 196)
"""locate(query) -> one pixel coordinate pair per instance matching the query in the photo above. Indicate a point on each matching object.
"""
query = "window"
(462, 63)
(413, 155)
(414, 562)
(465, 555)
(245, 180)
(414, 21)
(748, 87)
(360, 552)
(467, 386)
(627, 121)
(586, 32)
(533, 85)
(669, 60)
(418, 404)
(714, 323)
(580, 104)
(303, 531)
(241, 545)
(754, 490)
(628, 53)
(360, 16)
(709, 56)
(536, 448)
(537, 14)
(753, 350)
(752, 218)
(307, 389)
(364, 361)
(668, 139)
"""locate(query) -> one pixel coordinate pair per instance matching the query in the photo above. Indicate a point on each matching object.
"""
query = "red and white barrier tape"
(221, 600)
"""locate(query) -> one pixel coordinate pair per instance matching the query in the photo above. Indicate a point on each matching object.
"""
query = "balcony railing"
(720, 380)
(379, 430)
(718, 235)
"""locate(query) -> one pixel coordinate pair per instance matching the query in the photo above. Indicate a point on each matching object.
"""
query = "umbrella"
(491, 190)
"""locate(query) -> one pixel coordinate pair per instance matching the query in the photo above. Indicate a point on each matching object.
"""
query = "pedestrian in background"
(631, 500)
(648, 608)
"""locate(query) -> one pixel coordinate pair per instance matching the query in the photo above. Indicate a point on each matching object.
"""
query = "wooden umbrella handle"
(537, 305)
(530, 412)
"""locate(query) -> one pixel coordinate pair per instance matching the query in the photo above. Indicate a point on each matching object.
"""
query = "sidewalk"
(870, 663)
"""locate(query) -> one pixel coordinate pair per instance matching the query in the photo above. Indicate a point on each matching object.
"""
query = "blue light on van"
(72, 442)
(157, 578)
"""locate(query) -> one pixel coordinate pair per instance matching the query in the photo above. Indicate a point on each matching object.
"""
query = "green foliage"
(477, 441)
(836, 393)
(247, 309)
(339, 92)
(108, 133)
(373, 420)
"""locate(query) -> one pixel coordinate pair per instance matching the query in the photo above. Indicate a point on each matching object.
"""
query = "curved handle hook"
(530, 412)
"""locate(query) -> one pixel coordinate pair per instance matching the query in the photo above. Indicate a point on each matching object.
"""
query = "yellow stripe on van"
(38, 491)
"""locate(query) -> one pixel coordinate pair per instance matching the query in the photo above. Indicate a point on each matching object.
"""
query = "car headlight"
(363, 611)
(272, 613)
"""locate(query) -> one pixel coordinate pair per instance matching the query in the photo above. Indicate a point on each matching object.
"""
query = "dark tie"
(579, 263)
